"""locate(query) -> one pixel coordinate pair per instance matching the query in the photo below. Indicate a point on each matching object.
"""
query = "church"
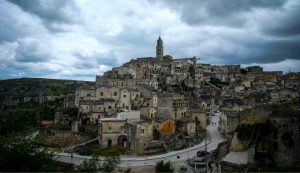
(155, 72)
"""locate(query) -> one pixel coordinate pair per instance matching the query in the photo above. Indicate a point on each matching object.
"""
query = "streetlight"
(205, 151)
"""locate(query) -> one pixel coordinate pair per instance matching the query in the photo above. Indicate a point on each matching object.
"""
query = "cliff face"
(12, 101)
(23, 90)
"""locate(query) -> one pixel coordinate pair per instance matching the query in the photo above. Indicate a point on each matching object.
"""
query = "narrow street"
(214, 138)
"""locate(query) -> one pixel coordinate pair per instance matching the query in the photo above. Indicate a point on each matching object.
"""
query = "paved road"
(214, 138)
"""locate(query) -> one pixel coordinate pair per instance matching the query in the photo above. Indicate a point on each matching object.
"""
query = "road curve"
(214, 138)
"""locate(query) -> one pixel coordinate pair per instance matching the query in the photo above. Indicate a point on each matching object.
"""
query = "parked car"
(198, 164)
(202, 153)
(183, 168)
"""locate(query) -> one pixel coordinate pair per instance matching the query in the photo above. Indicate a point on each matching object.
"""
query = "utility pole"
(205, 151)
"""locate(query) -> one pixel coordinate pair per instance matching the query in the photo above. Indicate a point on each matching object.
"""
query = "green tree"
(89, 165)
(25, 155)
(95, 164)
(110, 163)
(243, 71)
(161, 166)
(217, 82)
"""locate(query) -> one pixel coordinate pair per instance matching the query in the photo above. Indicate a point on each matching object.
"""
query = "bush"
(217, 82)
(94, 164)
(89, 165)
(128, 170)
(25, 155)
(244, 132)
(110, 163)
(108, 151)
(161, 166)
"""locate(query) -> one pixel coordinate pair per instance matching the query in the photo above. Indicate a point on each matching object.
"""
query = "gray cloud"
(285, 23)
(272, 29)
(30, 50)
(217, 12)
(96, 59)
(15, 24)
(51, 12)
(78, 39)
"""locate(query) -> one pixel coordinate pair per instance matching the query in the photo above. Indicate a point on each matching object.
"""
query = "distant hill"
(29, 87)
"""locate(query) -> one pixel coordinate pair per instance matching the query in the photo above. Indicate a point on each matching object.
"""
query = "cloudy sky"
(78, 39)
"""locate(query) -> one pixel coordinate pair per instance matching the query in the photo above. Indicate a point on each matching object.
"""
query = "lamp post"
(205, 151)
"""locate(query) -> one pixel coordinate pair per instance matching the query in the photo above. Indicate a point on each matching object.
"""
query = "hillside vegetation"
(38, 86)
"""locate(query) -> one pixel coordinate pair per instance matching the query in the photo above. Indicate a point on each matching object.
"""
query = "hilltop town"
(164, 108)
(158, 104)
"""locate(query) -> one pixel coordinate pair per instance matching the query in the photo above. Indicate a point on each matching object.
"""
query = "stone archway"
(122, 141)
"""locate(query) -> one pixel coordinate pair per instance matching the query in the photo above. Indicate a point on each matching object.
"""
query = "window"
(109, 129)
(121, 127)
(124, 95)
(88, 95)
(101, 93)
(109, 107)
(142, 131)
(115, 93)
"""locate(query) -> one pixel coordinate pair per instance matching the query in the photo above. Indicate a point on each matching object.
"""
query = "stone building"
(171, 106)
(139, 136)
(254, 69)
(111, 132)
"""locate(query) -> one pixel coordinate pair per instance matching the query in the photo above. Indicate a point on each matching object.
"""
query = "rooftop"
(237, 157)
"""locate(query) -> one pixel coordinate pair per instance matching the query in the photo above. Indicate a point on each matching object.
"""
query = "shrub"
(161, 166)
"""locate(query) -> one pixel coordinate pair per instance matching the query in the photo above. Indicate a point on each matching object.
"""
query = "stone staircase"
(70, 147)
(220, 152)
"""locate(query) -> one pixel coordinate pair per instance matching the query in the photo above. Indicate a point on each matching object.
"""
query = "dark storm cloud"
(218, 12)
(69, 38)
(276, 27)
(286, 23)
(247, 50)
(264, 52)
(276, 51)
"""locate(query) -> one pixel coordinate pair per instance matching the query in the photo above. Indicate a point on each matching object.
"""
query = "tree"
(25, 155)
(89, 165)
(243, 71)
(94, 164)
(110, 163)
(161, 166)
(217, 82)
(244, 131)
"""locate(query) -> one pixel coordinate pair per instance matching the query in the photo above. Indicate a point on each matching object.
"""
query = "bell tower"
(159, 49)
